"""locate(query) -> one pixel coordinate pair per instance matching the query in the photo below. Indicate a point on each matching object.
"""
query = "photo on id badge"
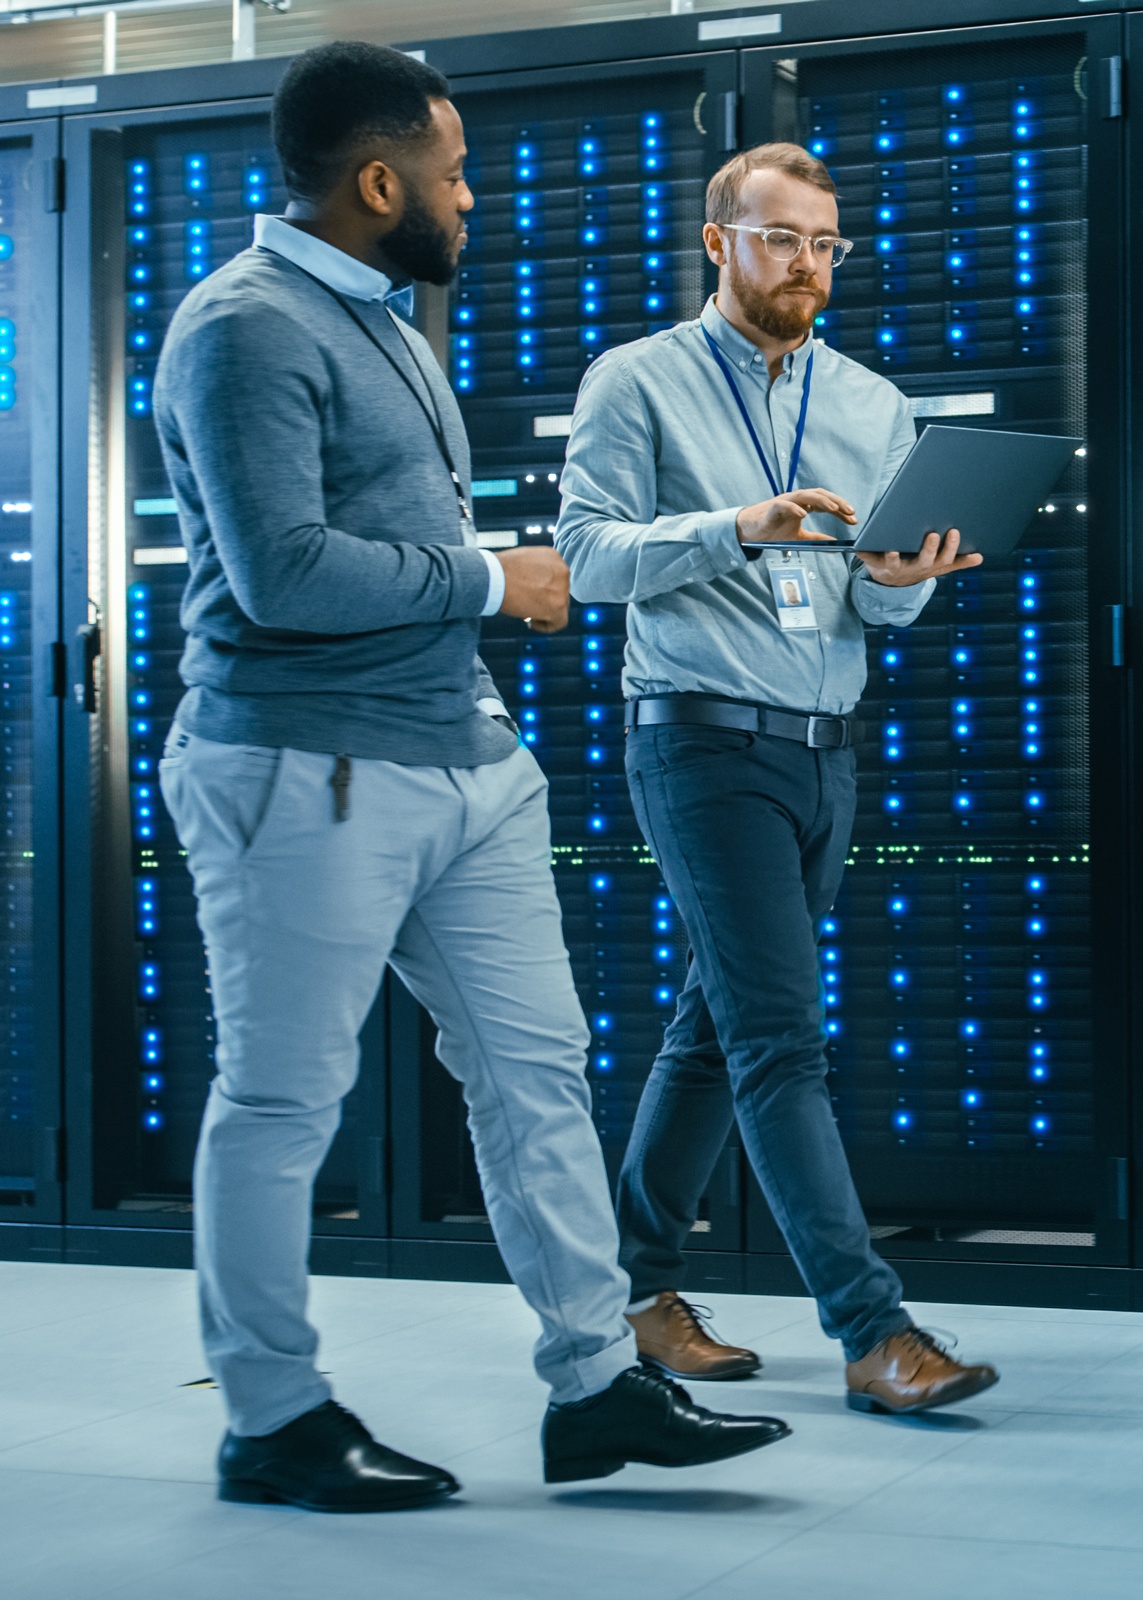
(792, 595)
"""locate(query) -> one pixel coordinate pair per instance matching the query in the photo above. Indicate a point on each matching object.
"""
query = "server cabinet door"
(156, 202)
(30, 1140)
(974, 968)
(586, 234)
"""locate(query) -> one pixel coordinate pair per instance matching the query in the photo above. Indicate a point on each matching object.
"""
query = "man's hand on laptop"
(936, 558)
(781, 520)
(536, 587)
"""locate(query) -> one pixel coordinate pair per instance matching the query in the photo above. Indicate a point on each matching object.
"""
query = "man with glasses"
(687, 496)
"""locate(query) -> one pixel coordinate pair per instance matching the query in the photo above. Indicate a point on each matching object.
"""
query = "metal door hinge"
(57, 667)
(1114, 641)
(1111, 75)
(728, 122)
(55, 191)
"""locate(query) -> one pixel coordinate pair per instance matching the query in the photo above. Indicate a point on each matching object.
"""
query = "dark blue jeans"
(751, 834)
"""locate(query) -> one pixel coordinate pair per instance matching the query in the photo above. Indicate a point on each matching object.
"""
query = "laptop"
(988, 483)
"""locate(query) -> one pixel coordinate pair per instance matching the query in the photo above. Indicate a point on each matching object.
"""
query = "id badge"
(791, 585)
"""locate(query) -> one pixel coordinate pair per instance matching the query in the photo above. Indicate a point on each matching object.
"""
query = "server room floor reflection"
(107, 1461)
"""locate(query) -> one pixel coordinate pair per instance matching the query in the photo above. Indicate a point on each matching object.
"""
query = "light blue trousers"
(445, 873)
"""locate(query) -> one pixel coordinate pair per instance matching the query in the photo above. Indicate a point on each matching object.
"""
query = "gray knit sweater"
(331, 603)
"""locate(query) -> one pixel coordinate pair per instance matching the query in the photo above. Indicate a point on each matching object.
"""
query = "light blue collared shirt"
(358, 281)
(659, 464)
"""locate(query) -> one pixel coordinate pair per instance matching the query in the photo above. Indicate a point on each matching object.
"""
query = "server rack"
(30, 1138)
(975, 968)
(749, 94)
(160, 200)
(586, 234)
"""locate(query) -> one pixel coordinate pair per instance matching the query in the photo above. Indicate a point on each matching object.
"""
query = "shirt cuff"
(492, 707)
(718, 535)
(497, 583)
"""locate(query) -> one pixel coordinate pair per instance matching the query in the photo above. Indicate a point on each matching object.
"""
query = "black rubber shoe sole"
(577, 1468)
(239, 1492)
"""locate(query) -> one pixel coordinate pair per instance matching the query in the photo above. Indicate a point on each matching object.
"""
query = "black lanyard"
(431, 417)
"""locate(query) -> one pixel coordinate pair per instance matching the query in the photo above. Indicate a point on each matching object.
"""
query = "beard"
(773, 312)
(419, 246)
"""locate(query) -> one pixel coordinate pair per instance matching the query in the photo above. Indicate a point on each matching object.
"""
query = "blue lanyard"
(796, 455)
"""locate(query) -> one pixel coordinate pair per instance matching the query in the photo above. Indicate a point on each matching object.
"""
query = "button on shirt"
(659, 464)
(357, 281)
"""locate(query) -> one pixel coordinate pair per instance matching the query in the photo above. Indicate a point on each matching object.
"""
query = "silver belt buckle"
(825, 744)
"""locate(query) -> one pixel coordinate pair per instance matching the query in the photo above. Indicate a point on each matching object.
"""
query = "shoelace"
(926, 1340)
(347, 1422)
(649, 1378)
(699, 1318)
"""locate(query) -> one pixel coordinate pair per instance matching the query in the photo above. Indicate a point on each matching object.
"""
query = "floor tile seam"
(739, 1566)
(109, 1477)
(1095, 1369)
(91, 1422)
(826, 1518)
(209, 1546)
(487, 1444)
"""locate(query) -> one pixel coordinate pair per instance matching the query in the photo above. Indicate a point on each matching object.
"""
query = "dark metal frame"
(37, 1234)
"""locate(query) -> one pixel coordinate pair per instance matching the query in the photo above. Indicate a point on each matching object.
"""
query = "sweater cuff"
(497, 584)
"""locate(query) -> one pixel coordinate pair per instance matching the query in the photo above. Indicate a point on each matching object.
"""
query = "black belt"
(820, 733)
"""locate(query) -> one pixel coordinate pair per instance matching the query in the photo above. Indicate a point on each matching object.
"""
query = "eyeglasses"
(786, 246)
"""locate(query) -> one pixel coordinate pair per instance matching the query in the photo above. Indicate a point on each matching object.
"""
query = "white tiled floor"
(106, 1481)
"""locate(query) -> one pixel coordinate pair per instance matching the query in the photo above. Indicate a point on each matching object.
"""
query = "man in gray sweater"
(350, 793)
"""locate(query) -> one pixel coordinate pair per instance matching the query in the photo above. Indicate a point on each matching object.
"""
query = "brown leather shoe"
(671, 1336)
(910, 1372)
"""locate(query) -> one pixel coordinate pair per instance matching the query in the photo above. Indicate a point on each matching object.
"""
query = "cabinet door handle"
(91, 644)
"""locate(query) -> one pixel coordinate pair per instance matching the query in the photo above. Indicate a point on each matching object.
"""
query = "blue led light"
(898, 907)
(903, 1119)
(892, 802)
(1041, 1125)
(1035, 885)
(970, 1098)
(900, 1048)
(601, 884)
(969, 1030)
(963, 802)
(602, 1024)
(152, 1121)
(663, 954)
(954, 93)
(603, 1063)
(597, 824)
(899, 979)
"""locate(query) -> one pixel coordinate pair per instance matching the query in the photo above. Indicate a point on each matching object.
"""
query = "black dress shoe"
(326, 1460)
(645, 1417)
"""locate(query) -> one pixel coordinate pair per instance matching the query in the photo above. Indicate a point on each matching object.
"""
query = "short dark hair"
(337, 96)
(724, 191)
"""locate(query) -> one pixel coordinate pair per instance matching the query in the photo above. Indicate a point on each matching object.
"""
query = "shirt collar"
(741, 352)
(339, 271)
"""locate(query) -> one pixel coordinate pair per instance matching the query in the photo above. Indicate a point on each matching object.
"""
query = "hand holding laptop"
(936, 558)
